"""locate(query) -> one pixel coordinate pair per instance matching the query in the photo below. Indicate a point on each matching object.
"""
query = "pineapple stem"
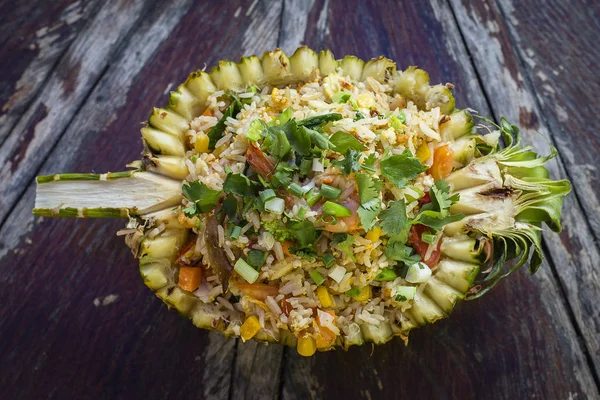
(110, 195)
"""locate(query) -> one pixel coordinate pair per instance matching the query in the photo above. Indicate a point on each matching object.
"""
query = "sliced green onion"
(341, 97)
(296, 190)
(312, 197)
(401, 116)
(255, 130)
(386, 274)
(353, 292)
(330, 192)
(275, 205)
(428, 237)
(267, 195)
(306, 166)
(317, 165)
(405, 293)
(235, 233)
(412, 194)
(336, 210)
(249, 274)
(359, 116)
(228, 169)
(328, 259)
(317, 277)
(257, 258)
(301, 212)
(396, 124)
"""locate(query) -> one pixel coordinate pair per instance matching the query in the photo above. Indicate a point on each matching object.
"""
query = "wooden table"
(77, 77)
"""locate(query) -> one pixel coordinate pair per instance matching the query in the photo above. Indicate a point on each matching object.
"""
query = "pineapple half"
(504, 193)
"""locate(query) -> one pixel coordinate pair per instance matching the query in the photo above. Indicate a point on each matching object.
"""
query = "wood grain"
(502, 327)
(560, 61)
(104, 135)
(52, 110)
(33, 37)
(574, 253)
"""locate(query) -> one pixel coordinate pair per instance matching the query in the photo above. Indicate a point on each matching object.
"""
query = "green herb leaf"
(393, 219)
(239, 184)
(282, 118)
(304, 233)
(299, 138)
(216, 132)
(350, 163)
(370, 204)
(401, 168)
(255, 131)
(282, 175)
(318, 120)
(344, 243)
(205, 199)
(397, 250)
(344, 141)
(317, 138)
(257, 258)
(230, 205)
(436, 214)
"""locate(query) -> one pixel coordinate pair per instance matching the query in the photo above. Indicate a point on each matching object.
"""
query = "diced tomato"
(259, 291)
(260, 162)
(442, 162)
(415, 241)
(286, 307)
(189, 278)
(425, 199)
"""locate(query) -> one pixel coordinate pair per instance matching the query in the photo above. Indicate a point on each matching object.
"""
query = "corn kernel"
(374, 234)
(365, 294)
(306, 346)
(365, 100)
(423, 152)
(249, 328)
(324, 297)
(201, 144)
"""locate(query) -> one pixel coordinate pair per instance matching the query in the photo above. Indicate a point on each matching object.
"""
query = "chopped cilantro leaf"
(299, 138)
(401, 168)
(282, 118)
(369, 162)
(280, 145)
(350, 163)
(436, 214)
(344, 141)
(394, 219)
(344, 243)
(204, 199)
(230, 205)
(304, 233)
(397, 250)
(317, 138)
(239, 184)
(370, 203)
(283, 175)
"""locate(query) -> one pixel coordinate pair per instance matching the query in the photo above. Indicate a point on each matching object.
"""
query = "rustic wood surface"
(76, 79)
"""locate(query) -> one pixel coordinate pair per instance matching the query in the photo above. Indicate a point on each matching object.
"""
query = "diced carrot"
(259, 291)
(190, 278)
(442, 162)
(328, 180)
(208, 112)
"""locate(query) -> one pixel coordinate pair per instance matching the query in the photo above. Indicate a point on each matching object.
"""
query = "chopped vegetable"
(324, 297)
(267, 195)
(329, 192)
(405, 293)
(275, 205)
(328, 259)
(317, 277)
(246, 271)
(306, 346)
(296, 190)
(418, 273)
(204, 199)
(401, 168)
(386, 274)
(189, 278)
(337, 273)
(335, 210)
(343, 142)
(249, 328)
(258, 291)
(256, 258)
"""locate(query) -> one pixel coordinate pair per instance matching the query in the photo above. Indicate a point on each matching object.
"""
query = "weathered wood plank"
(34, 36)
(574, 253)
(257, 371)
(498, 346)
(52, 110)
(560, 61)
(138, 349)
